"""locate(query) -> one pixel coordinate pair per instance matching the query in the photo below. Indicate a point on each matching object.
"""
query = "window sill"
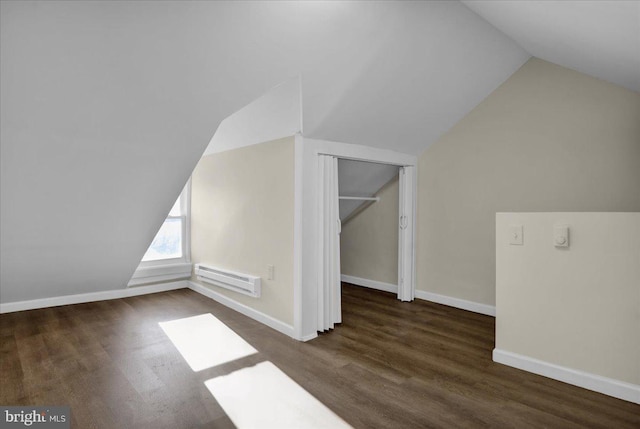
(160, 273)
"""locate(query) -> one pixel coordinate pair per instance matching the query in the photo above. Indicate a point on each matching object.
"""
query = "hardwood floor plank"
(389, 364)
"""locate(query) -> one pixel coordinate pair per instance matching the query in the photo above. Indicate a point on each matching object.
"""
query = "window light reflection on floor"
(264, 397)
(205, 341)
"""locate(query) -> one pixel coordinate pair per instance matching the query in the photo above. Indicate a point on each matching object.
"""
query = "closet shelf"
(359, 198)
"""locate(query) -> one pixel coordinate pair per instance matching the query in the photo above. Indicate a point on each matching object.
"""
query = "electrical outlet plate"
(516, 235)
(561, 236)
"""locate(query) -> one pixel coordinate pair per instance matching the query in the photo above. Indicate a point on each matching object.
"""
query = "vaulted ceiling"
(599, 38)
(106, 107)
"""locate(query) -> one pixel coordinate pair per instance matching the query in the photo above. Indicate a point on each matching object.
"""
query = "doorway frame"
(306, 234)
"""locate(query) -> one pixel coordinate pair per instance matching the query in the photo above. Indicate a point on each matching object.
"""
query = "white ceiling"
(398, 75)
(599, 38)
(361, 179)
(275, 114)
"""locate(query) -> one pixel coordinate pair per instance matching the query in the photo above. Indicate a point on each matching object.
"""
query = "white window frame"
(185, 209)
(163, 270)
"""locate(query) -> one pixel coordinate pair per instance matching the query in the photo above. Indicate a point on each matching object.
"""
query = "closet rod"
(360, 198)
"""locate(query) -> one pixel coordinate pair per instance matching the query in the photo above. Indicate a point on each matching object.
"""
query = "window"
(170, 244)
(169, 256)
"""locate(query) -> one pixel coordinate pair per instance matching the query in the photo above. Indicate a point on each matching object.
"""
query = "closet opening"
(366, 211)
(369, 217)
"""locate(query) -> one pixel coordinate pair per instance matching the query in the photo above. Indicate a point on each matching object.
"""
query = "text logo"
(35, 417)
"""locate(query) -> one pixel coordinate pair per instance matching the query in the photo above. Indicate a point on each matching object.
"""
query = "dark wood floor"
(389, 365)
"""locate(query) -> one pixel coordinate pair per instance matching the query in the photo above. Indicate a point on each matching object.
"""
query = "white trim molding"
(463, 304)
(307, 337)
(608, 386)
(160, 273)
(11, 307)
(371, 284)
(298, 196)
(361, 152)
(256, 315)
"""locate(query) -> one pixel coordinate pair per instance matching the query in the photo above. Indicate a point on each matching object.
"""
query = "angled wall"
(94, 148)
(548, 139)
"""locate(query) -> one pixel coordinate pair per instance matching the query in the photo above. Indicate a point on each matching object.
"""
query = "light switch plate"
(516, 235)
(561, 236)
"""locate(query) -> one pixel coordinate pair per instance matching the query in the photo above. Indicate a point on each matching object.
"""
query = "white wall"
(242, 219)
(576, 307)
(549, 139)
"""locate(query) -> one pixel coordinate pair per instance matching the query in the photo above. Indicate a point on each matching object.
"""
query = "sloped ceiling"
(275, 114)
(106, 107)
(413, 70)
(361, 179)
(599, 38)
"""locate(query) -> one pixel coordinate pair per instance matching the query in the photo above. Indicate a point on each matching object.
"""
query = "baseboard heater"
(238, 282)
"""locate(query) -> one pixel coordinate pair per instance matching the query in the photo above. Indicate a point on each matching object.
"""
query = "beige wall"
(548, 139)
(577, 307)
(242, 219)
(369, 239)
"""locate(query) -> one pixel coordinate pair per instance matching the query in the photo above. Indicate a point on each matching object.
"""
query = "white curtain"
(329, 287)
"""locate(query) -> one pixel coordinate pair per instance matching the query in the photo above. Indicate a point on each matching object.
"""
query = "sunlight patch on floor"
(263, 397)
(205, 341)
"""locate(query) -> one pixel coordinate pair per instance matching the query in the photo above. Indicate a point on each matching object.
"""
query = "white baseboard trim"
(244, 309)
(463, 304)
(160, 273)
(371, 284)
(308, 337)
(11, 307)
(608, 386)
